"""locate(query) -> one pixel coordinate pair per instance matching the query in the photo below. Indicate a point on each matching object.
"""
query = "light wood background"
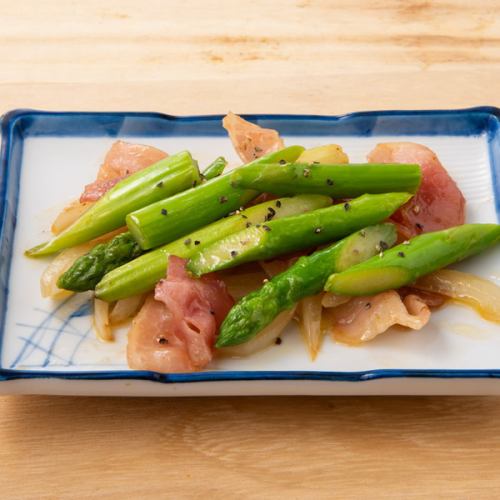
(313, 56)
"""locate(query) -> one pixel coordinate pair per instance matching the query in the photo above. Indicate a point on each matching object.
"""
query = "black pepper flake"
(368, 305)
(195, 182)
(266, 228)
(196, 242)
(318, 230)
(307, 172)
(347, 206)
(278, 341)
(383, 245)
(271, 214)
(234, 253)
(419, 226)
(362, 233)
(278, 203)
(248, 224)
(257, 225)
(401, 254)
(160, 184)
(315, 162)
(212, 312)
(164, 211)
(244, 216)
(329, 182)
(257, 149)
(187, 242)
(282, 162)
(162, 340)
(223, 199)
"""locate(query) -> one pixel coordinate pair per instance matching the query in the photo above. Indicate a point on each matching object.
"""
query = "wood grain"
(183, 57)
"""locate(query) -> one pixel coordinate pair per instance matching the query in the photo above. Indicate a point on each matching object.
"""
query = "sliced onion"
(309, 312)
(274, 267)
(101, 320)
(481, 294)
(69, 214)
(332, 300)
(48, 280)
(240, 284)
(263, 339)
(126, 308)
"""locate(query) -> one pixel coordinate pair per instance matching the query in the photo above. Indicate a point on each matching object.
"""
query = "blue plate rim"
(8, 121)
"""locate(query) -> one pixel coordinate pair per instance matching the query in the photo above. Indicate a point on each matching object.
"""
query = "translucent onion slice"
(309, 316)
(263, 339)
(101, 320)
(126, 308)
(69, 214)
(240, 284)
(332, 300)
(481, 294)
(274, 267)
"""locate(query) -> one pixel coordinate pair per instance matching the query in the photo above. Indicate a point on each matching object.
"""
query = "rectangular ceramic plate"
(50, 348)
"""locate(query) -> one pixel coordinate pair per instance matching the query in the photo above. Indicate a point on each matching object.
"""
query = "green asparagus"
(264, 241)
(215, 168)
(337, 181)
(422, 255)
(87, 270)
(174, 217)
(164, 178)
(143, 273)
(304, 278)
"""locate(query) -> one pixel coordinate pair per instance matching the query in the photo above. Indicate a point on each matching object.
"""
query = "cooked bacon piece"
(122, 160)
(176, 330)
(430, 298)
(97, 189)
(151, 345)
(363, 318)
(249, 140)
(438, 204)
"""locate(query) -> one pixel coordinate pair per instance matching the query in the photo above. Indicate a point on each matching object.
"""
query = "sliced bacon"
(430, 298)
(176, 329)
(438, 204)
(249, 140)
(122, 160)
(363, 318)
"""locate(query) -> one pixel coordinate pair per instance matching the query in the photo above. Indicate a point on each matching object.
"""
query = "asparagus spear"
(422, 255)
(337, 181)
(174, 217)
(87, 270)
(164, 178)
(215, 168)
(295, 233)
(143, 273)
(305, 278)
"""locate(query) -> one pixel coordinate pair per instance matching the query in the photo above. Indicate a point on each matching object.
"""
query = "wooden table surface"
(303, 56)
